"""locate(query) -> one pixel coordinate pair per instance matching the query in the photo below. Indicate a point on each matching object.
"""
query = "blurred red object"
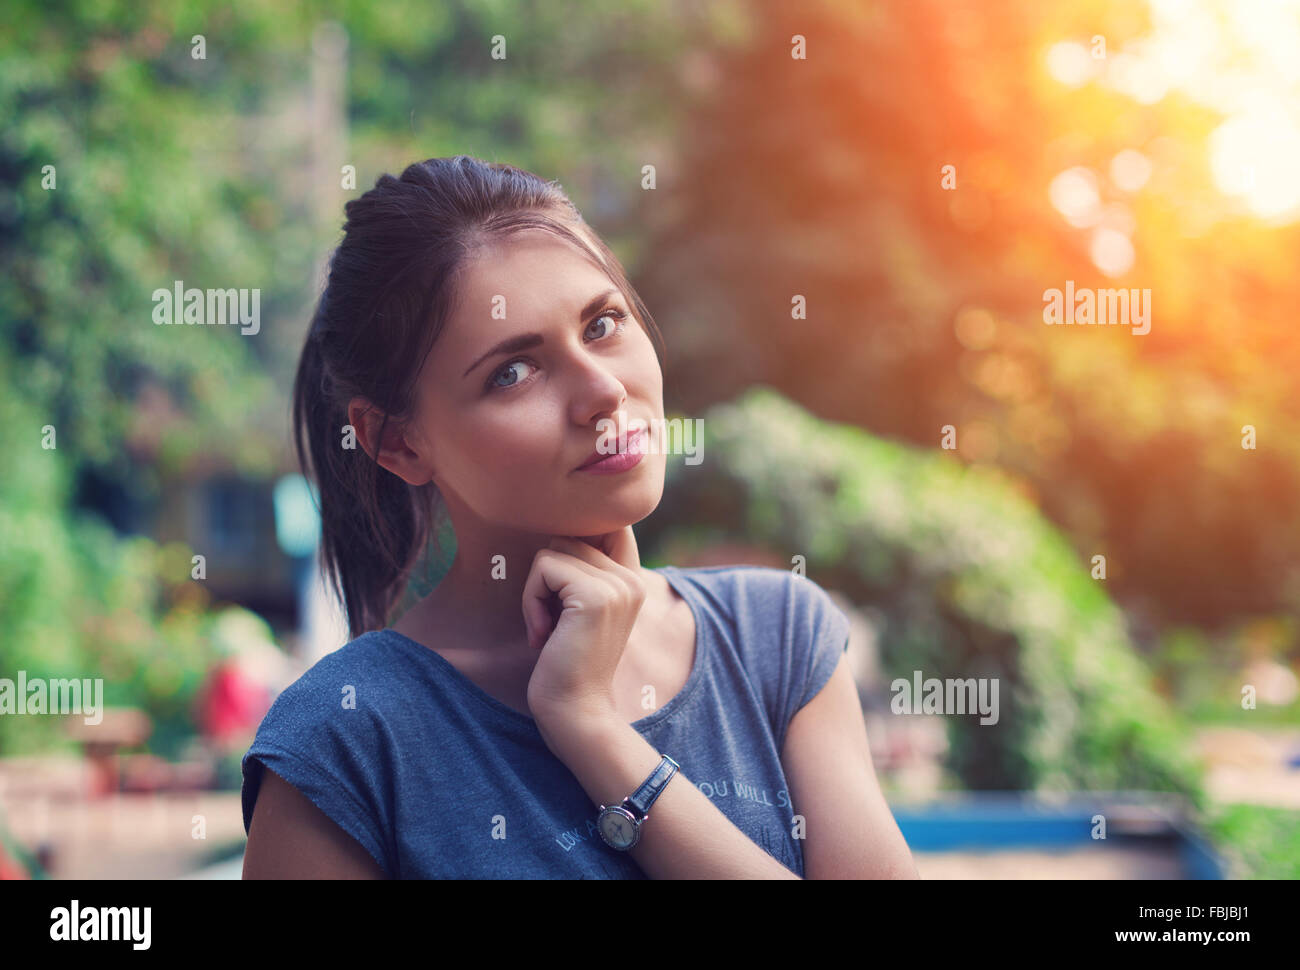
(10, 868)
(231, 705)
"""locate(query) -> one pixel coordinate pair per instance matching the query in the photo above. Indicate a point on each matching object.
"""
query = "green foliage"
(971, 581)
(1260, 842)
(77, 601)
(149, 186)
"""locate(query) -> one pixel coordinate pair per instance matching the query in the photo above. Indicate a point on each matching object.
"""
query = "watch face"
(617, 828)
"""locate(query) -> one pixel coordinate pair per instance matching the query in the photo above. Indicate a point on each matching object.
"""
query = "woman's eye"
(617, 320)
(506, 370)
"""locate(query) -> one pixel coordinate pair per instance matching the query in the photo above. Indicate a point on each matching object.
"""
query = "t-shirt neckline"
(466, 686)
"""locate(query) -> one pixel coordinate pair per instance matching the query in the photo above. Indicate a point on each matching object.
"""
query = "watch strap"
(641, 799)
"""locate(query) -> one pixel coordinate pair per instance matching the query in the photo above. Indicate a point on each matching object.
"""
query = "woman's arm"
(850, 831)
(685, 835)
(290, 838)
(571, 700)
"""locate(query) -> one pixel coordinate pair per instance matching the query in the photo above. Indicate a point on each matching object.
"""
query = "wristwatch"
(620, 825)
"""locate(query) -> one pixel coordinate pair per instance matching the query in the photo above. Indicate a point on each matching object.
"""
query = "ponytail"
(371, 520)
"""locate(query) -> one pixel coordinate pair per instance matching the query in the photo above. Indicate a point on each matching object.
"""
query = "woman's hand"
(599, 593)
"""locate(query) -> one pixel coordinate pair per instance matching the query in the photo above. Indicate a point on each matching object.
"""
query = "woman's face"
(505, 430)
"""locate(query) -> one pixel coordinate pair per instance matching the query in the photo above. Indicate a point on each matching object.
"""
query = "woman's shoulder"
(324, 735)
(367, 652)
(351, 678)
(759, 591)
(784, 630)
(769, 615)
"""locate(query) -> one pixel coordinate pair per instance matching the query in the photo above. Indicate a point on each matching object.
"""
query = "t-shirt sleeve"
(329, 756)
(817, 635)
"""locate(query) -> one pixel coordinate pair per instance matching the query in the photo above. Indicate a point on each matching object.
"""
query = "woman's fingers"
(624, 582)
(582, 577)
(537, 617)
(619, 546)
(622, 543)
(557, 574)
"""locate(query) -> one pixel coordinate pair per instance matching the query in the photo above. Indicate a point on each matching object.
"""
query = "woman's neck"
(482, 607)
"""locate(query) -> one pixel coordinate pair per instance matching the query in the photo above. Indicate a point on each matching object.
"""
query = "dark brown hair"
(391, 288)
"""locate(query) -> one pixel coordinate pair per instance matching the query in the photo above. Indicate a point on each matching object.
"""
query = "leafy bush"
(1260, 842)
(971, 581)
(77, 601)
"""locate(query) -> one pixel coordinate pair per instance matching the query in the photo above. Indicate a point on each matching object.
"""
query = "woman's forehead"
(508, 290)
(526, 284)
(523, 261)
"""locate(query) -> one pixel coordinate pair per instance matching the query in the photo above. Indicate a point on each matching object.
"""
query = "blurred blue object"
(297, 520)
(990, 821)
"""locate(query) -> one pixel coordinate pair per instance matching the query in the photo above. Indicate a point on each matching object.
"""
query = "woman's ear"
(393, 452)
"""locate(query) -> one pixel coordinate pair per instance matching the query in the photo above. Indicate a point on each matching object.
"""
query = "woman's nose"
(597, 392)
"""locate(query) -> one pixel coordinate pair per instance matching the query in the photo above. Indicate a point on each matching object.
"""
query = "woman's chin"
(615, 515)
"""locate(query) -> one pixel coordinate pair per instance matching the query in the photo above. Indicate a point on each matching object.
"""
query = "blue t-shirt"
(427, 771)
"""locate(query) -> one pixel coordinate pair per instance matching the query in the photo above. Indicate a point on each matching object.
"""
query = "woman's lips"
(629, 454)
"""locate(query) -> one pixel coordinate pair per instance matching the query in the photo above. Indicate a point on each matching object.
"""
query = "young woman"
(475, 339)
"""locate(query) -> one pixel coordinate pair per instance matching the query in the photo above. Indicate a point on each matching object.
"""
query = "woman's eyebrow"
(526, 340)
